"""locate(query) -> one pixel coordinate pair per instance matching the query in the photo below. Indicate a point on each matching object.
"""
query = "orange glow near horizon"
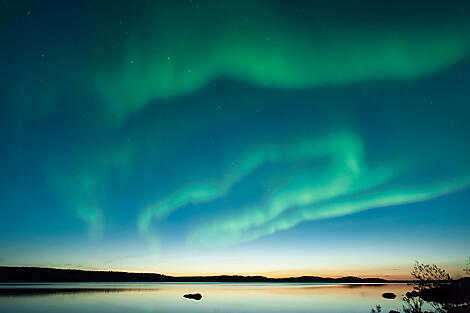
(384, 273)
(397, 273)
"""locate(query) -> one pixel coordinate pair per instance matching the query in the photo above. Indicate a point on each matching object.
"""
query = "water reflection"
(17, 292)
(321, 298)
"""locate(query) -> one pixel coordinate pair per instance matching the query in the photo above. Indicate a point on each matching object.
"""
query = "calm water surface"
(217, 297)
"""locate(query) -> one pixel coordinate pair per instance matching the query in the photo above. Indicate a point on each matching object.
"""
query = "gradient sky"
(235, 137)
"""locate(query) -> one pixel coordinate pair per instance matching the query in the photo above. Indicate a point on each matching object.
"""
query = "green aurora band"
(346, 185)
(81, 182)
(253, 42)
(177, 49)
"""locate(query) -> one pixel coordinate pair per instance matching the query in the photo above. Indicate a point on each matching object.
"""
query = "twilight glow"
(236, 137)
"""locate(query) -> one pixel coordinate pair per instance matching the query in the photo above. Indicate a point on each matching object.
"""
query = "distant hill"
(41, 275)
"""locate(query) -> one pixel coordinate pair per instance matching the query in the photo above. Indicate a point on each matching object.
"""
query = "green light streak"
(80, 180)
(171, 61)
(256, 222)
(345, 185)
(346, 168)
(174, 49)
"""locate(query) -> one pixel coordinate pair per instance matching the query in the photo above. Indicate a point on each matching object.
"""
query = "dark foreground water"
(217, 297)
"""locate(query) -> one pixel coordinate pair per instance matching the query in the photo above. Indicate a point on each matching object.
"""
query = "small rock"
(412, 294)
(194, 296)
(389, 295)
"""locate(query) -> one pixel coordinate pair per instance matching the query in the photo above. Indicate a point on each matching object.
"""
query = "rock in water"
(389, 295)
(194, 296)
(412, 294)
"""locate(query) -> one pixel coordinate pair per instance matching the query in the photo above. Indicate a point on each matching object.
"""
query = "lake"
(217, 297)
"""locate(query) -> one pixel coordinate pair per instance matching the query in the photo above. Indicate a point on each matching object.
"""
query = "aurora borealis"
(266, 137)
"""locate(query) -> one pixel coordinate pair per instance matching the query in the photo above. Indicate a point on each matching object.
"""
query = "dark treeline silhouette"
(436, 287)
(434, 291)
(42, 275)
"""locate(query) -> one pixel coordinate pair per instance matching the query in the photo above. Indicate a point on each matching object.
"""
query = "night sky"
(235, 137)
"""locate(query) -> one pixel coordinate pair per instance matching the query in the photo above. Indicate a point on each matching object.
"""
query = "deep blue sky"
(250, 137)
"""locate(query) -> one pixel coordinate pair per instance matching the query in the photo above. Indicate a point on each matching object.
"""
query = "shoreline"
(55, 275)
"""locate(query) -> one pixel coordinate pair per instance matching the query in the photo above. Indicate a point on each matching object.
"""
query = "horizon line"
(206, 276)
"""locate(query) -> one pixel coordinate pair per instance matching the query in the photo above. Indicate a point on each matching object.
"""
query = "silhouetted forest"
(39, 274)
(434, 291)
